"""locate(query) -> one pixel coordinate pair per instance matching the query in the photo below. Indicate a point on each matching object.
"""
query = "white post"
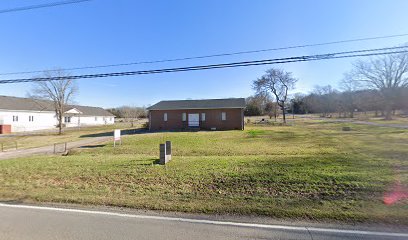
(116, 137)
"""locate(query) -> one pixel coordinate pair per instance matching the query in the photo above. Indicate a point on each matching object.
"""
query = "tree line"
(129, 113)
(379, 84)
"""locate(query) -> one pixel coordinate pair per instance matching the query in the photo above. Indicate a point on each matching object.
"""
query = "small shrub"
(346, 128)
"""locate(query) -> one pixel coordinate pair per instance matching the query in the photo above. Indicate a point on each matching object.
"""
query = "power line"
(45, 5)
(347, 54)
(213, 55)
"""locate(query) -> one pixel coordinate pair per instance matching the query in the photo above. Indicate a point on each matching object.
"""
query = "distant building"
(27, 114)
(209, 114)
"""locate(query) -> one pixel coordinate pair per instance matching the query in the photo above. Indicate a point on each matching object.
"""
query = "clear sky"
(119, 31)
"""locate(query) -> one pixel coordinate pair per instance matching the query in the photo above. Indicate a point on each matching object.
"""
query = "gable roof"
(16, 103)
(199, 104)
(92, 111)
(30, 104)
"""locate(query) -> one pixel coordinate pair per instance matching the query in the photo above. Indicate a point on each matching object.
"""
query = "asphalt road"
(42, 223)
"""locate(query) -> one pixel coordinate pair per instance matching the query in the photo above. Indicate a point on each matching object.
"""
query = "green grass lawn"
(309, 170)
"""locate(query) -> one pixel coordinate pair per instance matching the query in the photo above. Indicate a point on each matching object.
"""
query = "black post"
(162, 154)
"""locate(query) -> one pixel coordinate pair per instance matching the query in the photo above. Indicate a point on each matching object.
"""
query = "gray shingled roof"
(30, 104)
(92, 111)
(199, 104)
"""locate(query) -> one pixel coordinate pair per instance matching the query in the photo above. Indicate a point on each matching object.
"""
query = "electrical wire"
(337, 55)
(211, 56)
(45, 5)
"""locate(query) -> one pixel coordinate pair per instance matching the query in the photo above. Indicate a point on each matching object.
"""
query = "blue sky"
(118, 31)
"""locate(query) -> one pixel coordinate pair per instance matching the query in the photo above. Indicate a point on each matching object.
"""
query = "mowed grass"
(309, 170)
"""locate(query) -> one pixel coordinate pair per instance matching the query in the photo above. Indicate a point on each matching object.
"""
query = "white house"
(27, 114)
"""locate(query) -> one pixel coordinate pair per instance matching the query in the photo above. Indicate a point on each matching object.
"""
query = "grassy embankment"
(310, 170)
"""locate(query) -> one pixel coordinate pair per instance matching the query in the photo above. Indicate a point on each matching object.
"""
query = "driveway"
(50, 149)
(365, 123)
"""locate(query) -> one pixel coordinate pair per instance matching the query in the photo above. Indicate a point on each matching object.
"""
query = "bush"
(346, 128)
(145, 125)
(252, 110)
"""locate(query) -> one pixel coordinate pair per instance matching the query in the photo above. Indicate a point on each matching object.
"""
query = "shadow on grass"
(149, 162)
(93, 146)
(110, 133)
(154, 162)
(139, 162)
(140, 131)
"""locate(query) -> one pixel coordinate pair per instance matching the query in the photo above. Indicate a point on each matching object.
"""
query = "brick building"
(209, 114)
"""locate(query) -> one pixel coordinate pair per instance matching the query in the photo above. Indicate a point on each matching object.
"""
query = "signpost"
(165, 153)
(116, 137)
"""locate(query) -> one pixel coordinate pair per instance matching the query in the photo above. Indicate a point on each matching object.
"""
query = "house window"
(165, 117)
(96, 118)
(184, 117)
(67, 119)
(15, 118)
(110, 119)
(223, 116)
(202, 117)
(31, 118)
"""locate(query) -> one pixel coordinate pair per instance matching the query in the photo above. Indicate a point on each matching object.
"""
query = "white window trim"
(223, 116)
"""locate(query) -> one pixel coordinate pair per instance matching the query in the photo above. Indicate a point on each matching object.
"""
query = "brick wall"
(5, 129)
(234, 119)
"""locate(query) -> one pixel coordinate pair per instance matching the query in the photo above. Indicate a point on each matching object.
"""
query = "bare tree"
(278, 82)
(326, 101)
(255, 105)
(131, 113)
(387, 74)
(348, 98)
(60, 92)
(271, 109)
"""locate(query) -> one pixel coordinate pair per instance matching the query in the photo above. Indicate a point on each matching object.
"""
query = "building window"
(96, 118)
(67, 119)
(31, 118)
(15, 118)
(165, 117)
(202, 117)
(184, 117)
(110, 119)
(223, 116)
